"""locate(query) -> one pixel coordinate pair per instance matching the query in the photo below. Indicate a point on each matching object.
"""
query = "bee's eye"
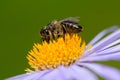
(46, 31)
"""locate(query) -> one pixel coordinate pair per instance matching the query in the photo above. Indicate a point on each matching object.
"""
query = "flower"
(71, 59)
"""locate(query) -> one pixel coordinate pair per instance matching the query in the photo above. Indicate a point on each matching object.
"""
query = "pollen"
(61, 52)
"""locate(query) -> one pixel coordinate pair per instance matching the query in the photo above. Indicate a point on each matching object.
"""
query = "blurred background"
(21, 21)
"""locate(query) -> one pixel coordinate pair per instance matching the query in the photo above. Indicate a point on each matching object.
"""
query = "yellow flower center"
(64, 51)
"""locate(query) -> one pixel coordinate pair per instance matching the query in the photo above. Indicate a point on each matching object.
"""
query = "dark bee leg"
(60, 36)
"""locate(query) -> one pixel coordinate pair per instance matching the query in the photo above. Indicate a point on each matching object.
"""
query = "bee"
(58, 29)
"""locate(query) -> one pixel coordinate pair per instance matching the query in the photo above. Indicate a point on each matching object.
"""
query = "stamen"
(55, 53)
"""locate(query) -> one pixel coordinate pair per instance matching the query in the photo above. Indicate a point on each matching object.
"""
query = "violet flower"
(72, 59)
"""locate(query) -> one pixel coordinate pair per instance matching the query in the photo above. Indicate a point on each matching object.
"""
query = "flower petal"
(29, 76)
(110, 56)
(32, 76)
(69, 73)
(117, 42)
(108, 51)
(108, 73)
(19, 77)
(107, 40)
(112, 53)
(80, 73)
(66, 72)
(53, 75)
(101, 34)
(104, 42)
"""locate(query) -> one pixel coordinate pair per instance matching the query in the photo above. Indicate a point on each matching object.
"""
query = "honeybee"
(58, 29)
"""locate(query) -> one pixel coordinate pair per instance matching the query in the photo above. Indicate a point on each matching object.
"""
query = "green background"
(21, 20)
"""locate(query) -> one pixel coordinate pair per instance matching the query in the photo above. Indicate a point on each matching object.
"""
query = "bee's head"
(44, 33)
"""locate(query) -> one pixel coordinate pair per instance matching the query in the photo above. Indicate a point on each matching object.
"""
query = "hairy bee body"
(58, 29)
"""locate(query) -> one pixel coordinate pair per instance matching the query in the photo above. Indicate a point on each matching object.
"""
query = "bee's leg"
(55, 36)
(60, 36)
(43, 39)
(47, 39)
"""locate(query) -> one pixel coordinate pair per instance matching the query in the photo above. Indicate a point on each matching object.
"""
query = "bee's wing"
(71, 19)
